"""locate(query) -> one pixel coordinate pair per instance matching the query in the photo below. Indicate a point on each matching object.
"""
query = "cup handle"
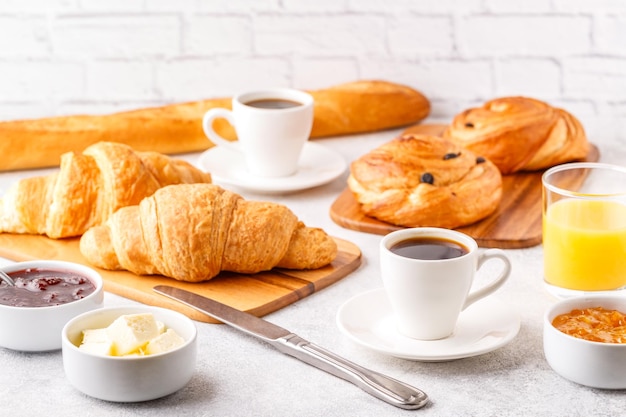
(497, 283)
(209, 131)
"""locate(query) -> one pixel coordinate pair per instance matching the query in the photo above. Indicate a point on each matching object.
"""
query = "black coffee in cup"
(273, 103)
(429, 248)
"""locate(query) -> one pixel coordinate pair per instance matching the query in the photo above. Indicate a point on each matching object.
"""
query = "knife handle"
(380, 386)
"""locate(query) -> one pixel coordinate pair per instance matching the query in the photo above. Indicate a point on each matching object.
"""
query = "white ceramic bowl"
(38, 329)
(594, 364)
(129, 378)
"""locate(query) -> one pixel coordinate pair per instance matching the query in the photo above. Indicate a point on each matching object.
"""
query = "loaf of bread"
(88, 188)
(420, 180)
(520, 134)
(356, 107)
(191, 232)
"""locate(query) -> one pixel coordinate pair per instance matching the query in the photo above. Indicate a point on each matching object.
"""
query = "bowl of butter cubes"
(129, 354)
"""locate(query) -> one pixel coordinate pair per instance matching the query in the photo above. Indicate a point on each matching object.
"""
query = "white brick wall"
(94, 56)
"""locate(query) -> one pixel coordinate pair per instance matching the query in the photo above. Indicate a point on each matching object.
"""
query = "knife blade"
(383, 387)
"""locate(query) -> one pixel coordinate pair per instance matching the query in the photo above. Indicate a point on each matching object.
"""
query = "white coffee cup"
(428, 295)
(271, 139)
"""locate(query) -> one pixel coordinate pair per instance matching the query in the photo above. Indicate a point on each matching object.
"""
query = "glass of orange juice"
(584, 228)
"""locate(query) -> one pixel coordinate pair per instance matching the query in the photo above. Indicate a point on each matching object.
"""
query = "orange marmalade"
(596, 324)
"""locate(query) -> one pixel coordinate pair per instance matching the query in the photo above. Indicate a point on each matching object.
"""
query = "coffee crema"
(273, 103)
(429, 248)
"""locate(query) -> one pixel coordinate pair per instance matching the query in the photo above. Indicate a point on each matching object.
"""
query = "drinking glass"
(584, 228)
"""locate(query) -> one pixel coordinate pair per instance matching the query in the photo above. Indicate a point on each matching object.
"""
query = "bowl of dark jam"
(46, 295)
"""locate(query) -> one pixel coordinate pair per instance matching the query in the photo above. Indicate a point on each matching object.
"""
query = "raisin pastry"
(520, 134)
(419, 180)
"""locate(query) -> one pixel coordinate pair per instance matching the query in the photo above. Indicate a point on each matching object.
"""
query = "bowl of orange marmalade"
(584, 340)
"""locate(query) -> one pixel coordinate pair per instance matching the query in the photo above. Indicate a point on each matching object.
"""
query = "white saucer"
(318, 165)
(485, 326)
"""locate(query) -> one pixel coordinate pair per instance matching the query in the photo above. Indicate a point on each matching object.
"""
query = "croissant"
(88, 188)
(419, 180)
(191, 232)
(520, 134)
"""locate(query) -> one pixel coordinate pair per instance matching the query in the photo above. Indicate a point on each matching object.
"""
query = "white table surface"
(239, 375)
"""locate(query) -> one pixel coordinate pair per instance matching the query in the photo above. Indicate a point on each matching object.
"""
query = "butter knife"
(385, 388)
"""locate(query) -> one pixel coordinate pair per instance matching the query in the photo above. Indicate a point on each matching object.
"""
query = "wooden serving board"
(515, 224)
(258, 294)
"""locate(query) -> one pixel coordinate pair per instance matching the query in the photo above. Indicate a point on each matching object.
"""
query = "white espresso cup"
(428, 274)
(272, 127)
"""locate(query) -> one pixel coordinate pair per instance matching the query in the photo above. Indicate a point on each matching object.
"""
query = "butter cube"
(131, 332)
(164, 342)
(98, 348)
(96, 341)
(160, 326)
(95, 336)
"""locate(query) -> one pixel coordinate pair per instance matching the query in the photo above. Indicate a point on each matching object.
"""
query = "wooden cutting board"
(515, 224)
(258, 294)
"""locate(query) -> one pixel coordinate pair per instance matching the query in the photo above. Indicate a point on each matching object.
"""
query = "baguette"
(357, 107)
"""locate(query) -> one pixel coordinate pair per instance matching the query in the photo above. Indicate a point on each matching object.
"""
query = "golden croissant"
(88, 188)
(191, 232)
(520, 134)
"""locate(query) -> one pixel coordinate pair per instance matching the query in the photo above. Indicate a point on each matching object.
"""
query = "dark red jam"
(44, 287)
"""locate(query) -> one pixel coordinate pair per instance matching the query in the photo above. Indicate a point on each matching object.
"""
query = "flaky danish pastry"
(418, 180)
(191, 232)
(520, 134)
(88, 188)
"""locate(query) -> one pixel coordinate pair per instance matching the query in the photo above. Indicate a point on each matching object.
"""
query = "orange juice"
(584, 244)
